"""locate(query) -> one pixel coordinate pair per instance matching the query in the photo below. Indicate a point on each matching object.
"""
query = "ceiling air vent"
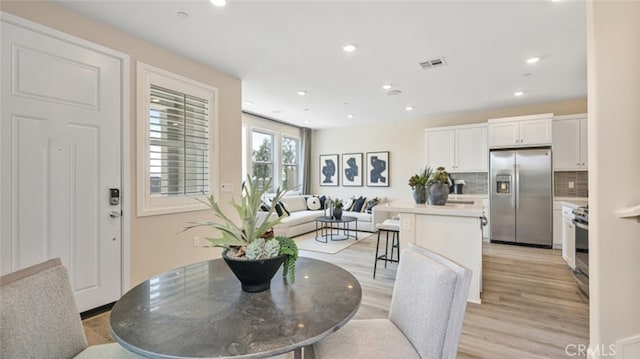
(432, 64)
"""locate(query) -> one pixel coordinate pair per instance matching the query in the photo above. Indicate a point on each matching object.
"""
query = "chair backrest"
(38, 314)
(429, 301)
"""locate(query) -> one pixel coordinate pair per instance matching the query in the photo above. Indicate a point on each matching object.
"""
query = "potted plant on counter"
(418, 183)
(438, 185)
(250, 250)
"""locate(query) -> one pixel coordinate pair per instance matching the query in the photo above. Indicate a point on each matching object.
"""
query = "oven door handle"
(581, 225)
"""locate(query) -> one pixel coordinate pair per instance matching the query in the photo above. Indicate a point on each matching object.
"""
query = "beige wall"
(613, 41)
(155, 244)
(405, 142)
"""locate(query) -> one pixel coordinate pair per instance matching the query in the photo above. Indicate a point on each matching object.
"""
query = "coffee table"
(200, 311)
(325, 225)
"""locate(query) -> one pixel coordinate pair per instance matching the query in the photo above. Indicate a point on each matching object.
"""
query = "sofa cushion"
(300, 217)
(361, 216)
(359, 203)
(347, 204)
(371, 204)
(322, 200)
(294, 203)
(313, 203)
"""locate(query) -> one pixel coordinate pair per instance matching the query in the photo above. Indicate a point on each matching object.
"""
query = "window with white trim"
(262, 157)
(290, 169)
(176, 141)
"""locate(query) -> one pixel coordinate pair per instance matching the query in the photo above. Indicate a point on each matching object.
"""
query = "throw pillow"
(313, 203)
(347, 204)
(370, 204)
(278, 209)
(322, 200)
(359, 203)
(285, 209)
(264, 207)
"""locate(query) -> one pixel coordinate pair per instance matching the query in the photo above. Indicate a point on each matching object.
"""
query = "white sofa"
(302, 220)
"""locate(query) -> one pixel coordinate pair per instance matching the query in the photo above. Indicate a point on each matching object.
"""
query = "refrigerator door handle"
(517, 186)
(514, 186)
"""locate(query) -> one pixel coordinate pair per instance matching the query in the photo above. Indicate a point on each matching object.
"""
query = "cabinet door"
(557, 228)
(440, 149)
(569, 242)
(584, 144)
(535, 132)
(566, 144)
(504, 134)
(471, 151)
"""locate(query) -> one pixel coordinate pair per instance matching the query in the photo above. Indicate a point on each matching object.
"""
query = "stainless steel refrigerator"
(521, 203)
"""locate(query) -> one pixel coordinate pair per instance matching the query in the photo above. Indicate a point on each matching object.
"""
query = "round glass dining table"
(200, 311)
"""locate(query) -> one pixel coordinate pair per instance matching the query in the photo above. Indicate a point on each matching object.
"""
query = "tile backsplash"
(474, 183)
(563, 180)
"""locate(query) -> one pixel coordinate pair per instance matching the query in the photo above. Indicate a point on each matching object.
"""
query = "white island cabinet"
(452, 230)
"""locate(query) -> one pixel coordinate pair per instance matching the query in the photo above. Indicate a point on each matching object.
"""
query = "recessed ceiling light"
(349, 48)
(409, 108)
(182, 14)
(386, 87)
(351, 115)
(302, 92)
(518, 93)
(219, 3)
(394, 92)
(307, 122)
(533, 60)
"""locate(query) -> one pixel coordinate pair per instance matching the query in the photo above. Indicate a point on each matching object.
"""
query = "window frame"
(274, 154)
(298, 187)
(149, 205)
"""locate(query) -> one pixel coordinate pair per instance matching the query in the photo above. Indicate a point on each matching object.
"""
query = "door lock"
(114, 196)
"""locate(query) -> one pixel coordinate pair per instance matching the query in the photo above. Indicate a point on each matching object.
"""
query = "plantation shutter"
(178, 143)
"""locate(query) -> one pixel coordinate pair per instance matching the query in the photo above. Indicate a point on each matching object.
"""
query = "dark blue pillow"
(284, 208)
(322, 199)
(357, 206)
(264, 207)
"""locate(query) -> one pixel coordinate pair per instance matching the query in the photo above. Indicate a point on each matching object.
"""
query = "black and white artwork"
(329, 170)
(352, 169)
(378, 169)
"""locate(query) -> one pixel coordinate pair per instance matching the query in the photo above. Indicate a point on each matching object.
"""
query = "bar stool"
(388, 226)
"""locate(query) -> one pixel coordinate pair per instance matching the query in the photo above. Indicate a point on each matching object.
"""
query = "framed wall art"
(352, 169)
(329, 170)
(378, 169)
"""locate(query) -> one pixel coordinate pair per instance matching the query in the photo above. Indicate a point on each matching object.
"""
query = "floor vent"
(431, 64)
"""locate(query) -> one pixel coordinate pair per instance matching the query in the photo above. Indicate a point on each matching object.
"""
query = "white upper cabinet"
(520, 131)
(458, 148)
(570, 143)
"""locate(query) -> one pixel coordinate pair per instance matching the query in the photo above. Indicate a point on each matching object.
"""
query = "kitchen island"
(453, 230)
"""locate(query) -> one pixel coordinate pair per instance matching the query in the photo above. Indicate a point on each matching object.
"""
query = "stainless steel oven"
(581, 272)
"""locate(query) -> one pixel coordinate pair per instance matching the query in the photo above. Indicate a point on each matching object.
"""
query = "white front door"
(60, 153)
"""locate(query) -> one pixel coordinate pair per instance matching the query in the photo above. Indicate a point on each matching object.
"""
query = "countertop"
(449, 209)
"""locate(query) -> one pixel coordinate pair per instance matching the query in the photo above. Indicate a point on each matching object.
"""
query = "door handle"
(514, 187)
(114, 214)
(517, 189)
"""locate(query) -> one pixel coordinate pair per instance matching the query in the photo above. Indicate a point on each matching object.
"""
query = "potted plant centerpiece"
(250, 249)
(337, 208)
(438, 185)
(418, 183)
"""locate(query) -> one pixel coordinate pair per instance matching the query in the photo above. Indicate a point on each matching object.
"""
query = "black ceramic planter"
(254, 275)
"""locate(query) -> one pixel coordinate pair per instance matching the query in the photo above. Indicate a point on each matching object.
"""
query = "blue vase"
(420, 194)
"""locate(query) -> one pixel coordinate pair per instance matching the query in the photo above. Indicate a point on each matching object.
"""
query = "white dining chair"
(425, 318)
(39, 317)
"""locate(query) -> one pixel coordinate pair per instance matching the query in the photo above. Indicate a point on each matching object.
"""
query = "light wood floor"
(531, 307)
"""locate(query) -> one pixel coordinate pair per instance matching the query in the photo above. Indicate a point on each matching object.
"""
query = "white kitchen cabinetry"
(557, 224)
(520, 131)
(485, 229)
(568, 236)
(458, 148)
(570, 143)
